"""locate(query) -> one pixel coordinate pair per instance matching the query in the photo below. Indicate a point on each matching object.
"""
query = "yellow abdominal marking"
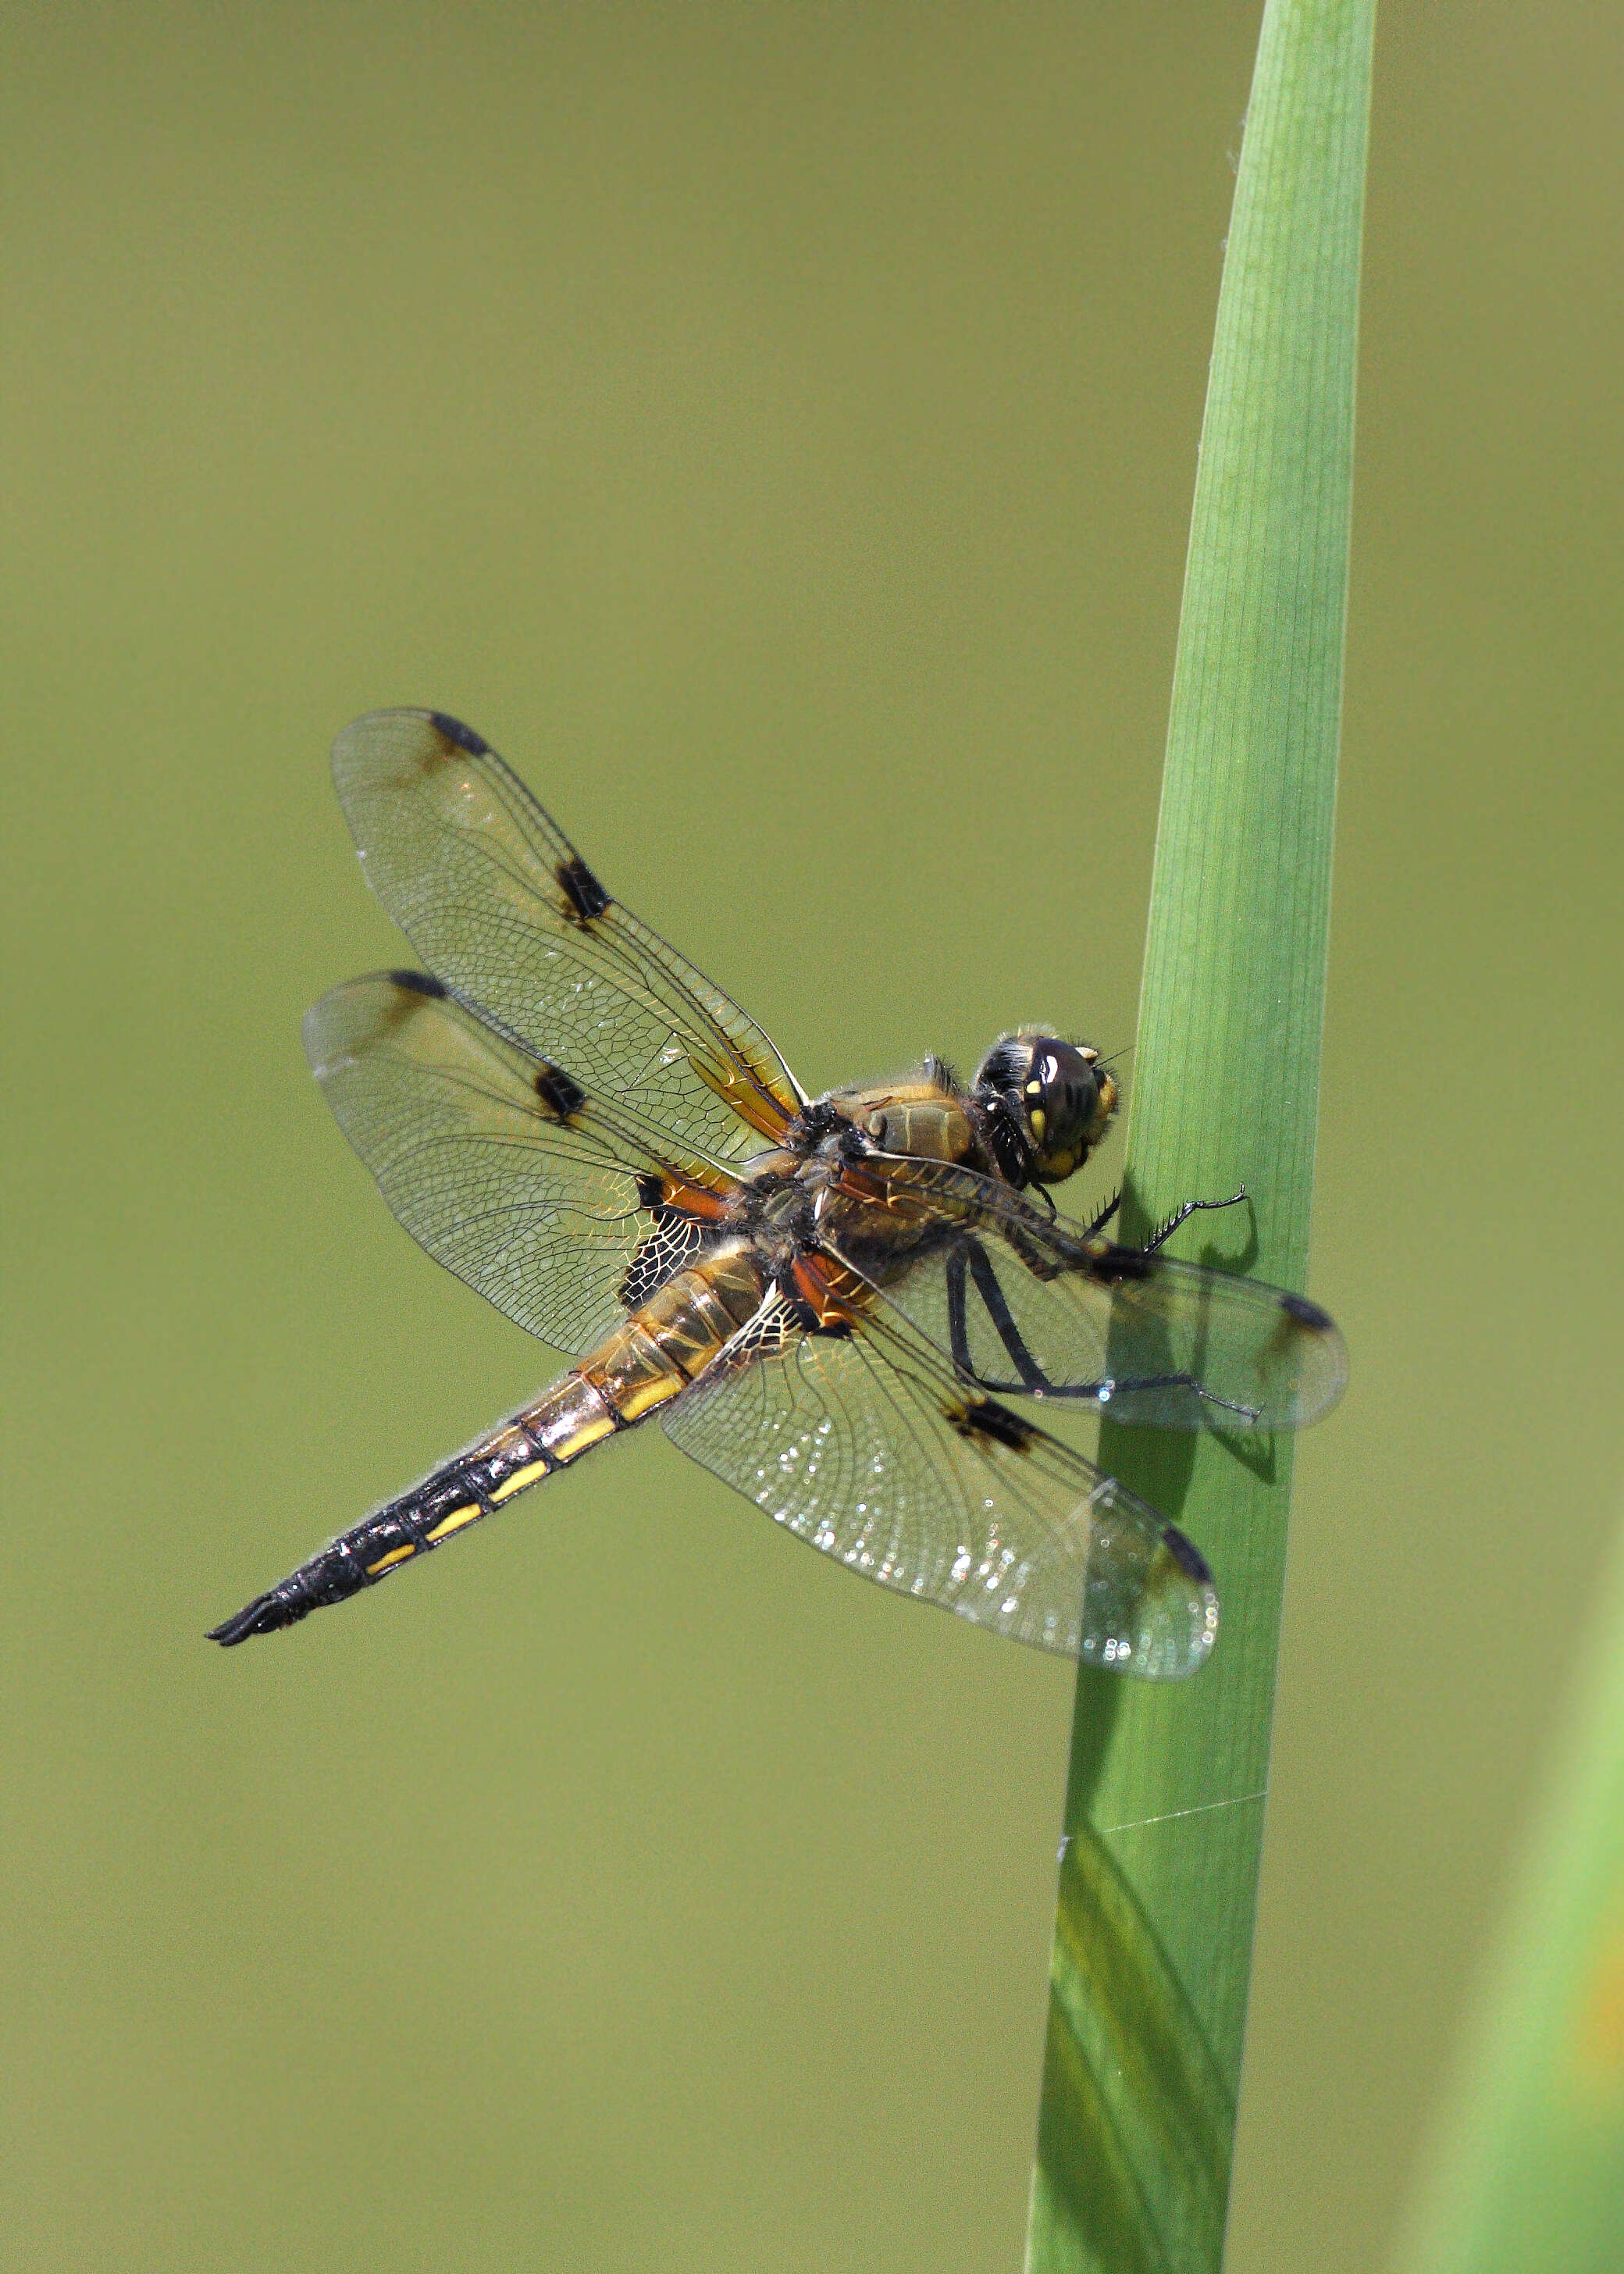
(517, 1482)
(457, 1518)
(394, 1555)
(578, 1439)
(643, 1396)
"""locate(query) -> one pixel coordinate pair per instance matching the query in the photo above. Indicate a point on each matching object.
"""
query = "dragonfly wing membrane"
(864, 1446)
(500, 904)
(496, 1161)
(1032, 1306)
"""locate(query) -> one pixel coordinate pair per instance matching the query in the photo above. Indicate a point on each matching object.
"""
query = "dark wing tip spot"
(419, 983)
(1306, 1314)
(455, 731)
(987, 1418)
(580, 888)
(1186, 1554)
(557, 1091)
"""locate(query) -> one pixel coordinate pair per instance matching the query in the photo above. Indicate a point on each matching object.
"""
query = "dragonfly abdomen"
(653, 1354)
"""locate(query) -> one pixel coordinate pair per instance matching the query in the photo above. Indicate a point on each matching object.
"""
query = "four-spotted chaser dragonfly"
(825, 1299)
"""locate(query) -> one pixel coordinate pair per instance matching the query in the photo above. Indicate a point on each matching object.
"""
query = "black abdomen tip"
(263, 1616)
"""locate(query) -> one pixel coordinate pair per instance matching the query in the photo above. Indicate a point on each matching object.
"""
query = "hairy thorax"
(819, 1188)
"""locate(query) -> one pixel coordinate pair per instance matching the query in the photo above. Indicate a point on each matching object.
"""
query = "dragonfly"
(827, 1301)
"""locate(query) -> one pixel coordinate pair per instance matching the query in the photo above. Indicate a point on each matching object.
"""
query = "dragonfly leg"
(958, 1334)
(1097, 1224)
(1159, 1238)
(970, 1252)
(1105, 1394)
(969, 1260)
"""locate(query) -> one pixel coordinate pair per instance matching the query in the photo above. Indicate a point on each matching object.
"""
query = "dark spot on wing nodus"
(586, 896)
(557, 1091)
(465, 737)
(987, 1418)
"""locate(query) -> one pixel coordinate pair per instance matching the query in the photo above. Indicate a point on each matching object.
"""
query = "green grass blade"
(1165, 1800)
(1529, 2174)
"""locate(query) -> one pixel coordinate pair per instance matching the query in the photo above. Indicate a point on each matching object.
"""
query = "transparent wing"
(863, 1445)
(1027, 1306)
(500, 905)
(499, 1162)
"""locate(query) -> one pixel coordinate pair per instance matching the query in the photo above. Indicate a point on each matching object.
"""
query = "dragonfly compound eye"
(1064, 1099)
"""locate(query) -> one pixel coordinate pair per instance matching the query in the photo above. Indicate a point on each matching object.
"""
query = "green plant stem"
(1165, 1797)
(1529, 2173)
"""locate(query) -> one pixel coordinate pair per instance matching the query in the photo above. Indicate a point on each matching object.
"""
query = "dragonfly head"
(1061, 1097)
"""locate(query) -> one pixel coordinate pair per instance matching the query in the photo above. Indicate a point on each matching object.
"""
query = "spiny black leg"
(1033, 1379)
(1104, 1216)
(958, 1333)
(1127, 1385)
(971, 1251)
(958, 1326)
(1191, 1208)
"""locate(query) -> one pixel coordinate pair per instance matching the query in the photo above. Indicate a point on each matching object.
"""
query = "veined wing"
(500, 904)
(499, 1164)
(1027, 1306)
(864, 1445)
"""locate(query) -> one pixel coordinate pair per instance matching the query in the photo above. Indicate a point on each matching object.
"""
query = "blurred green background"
(774, 428)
